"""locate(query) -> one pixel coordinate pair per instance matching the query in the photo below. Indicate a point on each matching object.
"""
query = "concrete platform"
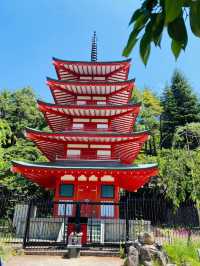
(58, 261)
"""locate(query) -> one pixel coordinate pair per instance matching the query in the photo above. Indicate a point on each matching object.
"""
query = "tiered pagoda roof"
(124, 147)
(92, 110)
(130, 177)
(60, 117)
(66, 92)
(94, 71)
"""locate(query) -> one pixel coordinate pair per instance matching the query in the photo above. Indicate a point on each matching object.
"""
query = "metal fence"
(46, 223)
(8, 215)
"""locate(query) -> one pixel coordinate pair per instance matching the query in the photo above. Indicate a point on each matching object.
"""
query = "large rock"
(145, 250)
(133, 256)
(145, 256)
(148, 253)
(148, 239)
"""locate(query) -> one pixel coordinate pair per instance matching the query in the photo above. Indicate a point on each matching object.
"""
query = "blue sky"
(32, 32)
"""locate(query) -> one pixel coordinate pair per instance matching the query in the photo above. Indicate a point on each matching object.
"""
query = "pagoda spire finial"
(94, 48)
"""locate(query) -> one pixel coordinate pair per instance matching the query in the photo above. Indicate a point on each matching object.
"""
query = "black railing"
(48, 223)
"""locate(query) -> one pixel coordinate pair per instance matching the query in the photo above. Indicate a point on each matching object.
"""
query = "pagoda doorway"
(87, 193)
(85, 211)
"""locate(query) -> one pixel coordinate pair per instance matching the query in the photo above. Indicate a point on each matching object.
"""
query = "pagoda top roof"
(86, 165)
(90, 70)
(91, 62)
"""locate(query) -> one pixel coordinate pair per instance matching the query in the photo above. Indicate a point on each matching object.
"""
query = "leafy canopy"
(22, 150)
(5, 132)
(179, 175)
(154, 16)
(148, 117)
(19, 110)
(187, 136)
(151, 108)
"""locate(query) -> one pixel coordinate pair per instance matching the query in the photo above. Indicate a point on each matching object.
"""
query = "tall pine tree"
(180, 106)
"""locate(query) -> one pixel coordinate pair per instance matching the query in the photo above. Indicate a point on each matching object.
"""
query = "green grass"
(179, 252)
(7, 251)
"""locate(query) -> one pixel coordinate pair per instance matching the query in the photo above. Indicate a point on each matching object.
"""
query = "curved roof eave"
(107, 134)
(91, 63)
(92, 106)
(78, 165)
(103, 83)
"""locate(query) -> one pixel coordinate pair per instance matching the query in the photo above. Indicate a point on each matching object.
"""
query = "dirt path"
(58, 261)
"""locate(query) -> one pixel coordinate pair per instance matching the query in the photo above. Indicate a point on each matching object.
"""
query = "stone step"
(100, 253)
(63, 252)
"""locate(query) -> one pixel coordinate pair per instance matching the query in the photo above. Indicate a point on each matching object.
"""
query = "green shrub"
(156, 262)
(179, 252)
(122, 254)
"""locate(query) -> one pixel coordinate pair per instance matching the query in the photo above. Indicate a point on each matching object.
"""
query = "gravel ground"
(27, 260)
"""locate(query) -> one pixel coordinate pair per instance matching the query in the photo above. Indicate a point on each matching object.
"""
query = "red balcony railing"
(88, 157)
(91, 129)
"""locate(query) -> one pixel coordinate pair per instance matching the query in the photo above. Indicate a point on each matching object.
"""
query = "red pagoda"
(91, 147)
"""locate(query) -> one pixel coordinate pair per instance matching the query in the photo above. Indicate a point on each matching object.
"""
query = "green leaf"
(178, 32)
(138, 26)
(195, 18)
(145, 48)
(150, 25)
(140, 17)
(173, 9)
(141, 21)
(135, 16)
(176, 48)
(130, 44)
(157, 40)
(158, 28)
(154, 28)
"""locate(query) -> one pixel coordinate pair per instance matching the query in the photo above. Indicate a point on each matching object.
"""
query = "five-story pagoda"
(91, 147)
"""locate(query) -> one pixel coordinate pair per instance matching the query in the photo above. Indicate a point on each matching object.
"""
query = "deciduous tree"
(149, 117)
(179, 175)
(19, 110)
